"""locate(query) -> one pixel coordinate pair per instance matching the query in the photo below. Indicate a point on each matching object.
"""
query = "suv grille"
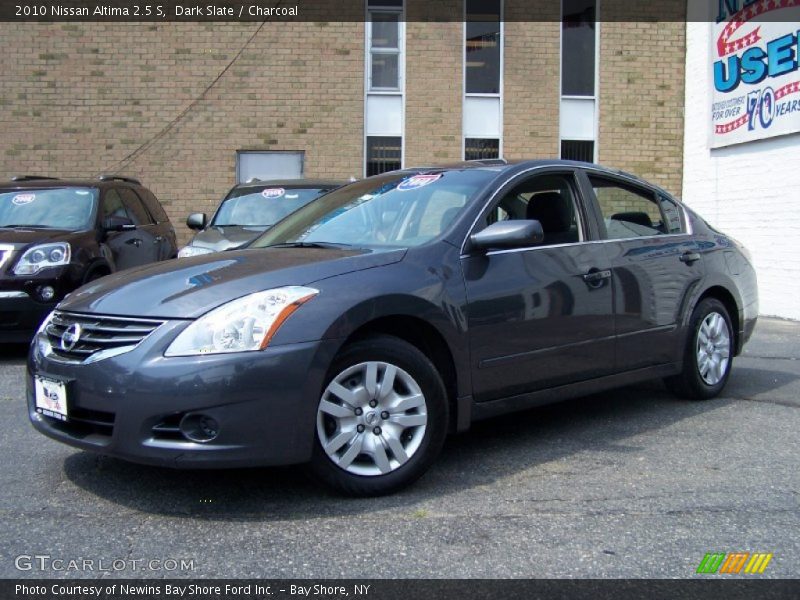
(97, 333)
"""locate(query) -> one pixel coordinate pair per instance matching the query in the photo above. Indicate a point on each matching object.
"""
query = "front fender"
(348, 302)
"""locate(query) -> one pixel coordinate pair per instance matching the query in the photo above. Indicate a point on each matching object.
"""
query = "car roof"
(500, 165)
(39, 182)
(291, 183)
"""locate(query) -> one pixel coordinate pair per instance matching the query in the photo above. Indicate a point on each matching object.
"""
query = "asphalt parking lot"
(631, 483)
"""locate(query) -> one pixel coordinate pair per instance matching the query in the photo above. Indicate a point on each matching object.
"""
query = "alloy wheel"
(372, 418)
(713, 348)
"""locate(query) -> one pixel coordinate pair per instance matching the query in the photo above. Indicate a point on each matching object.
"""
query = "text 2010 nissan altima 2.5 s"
(361, 329)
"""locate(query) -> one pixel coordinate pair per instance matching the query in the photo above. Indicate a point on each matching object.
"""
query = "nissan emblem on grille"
(70, 337)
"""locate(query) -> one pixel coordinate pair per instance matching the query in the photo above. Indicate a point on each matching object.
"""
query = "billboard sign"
(755, 49)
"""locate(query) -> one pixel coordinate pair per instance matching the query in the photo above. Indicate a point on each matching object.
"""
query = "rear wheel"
(708, 354)
(381, 420)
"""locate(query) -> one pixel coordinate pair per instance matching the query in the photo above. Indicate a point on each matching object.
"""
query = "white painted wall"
(750, 191)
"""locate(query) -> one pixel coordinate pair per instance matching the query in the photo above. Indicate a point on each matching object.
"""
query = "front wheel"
(381, 420)
(708, 353)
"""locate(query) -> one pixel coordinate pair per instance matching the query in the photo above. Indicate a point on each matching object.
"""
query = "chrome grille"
(98, 334)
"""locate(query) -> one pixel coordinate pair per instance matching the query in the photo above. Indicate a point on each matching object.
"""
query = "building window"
(482, 46)
(383, 154)
(481, 148)
(268, 165)
(578, 30)
(385, 44)
(577, 150)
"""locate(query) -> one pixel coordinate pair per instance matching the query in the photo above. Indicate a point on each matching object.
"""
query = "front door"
(541, 316)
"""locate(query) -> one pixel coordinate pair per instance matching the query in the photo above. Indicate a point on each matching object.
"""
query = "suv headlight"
(242, 325)
(41, 257)
(193, 251)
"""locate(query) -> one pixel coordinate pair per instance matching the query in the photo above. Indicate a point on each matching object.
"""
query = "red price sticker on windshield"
(273, 192)
(22, 199)
(418, 181)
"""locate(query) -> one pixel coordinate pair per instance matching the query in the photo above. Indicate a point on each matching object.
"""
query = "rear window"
(70, 208)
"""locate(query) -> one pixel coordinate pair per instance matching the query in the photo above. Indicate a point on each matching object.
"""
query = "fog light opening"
(199, 428)
(46, 292)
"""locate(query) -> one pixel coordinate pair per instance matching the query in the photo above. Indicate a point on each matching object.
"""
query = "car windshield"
(264, 207)
(396, 209)
(57, 208)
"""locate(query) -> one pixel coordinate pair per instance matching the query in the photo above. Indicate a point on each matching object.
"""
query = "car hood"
(190, 287)
(225, 237)
(20, 237)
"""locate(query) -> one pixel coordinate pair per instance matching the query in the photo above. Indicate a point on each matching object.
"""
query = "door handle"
(135, 242)
(596, 275)
(689, 257)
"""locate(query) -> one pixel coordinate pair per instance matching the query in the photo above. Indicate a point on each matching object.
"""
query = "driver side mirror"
(118, 224)
(196, 221)
(508, 234)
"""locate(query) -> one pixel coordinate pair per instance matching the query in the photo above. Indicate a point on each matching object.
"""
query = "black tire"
(94, 275)
(394, 351)
(690, 383)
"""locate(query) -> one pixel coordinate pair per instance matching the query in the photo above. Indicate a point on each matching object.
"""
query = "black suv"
(56, 235)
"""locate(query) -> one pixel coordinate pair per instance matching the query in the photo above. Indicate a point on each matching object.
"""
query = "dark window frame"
(570, 50)
(386, 140)
(484, 151)
(476, 82)
(578, 153)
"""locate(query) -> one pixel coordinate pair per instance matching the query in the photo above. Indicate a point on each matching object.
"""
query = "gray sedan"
(248, 210)
(364, 327)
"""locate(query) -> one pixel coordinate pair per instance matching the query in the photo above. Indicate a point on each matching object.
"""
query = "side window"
(113, 206)
(135, 208)
(673, 221)
(549, 199)
(628, 211)
(153, 205)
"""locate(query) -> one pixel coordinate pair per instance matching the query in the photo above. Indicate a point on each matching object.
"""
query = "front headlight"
(242, 325)
(41, 257)
(193, 251)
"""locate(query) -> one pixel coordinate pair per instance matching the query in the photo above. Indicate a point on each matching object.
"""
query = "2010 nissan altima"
(360, 330)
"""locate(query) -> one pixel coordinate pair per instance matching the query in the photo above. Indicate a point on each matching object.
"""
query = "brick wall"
(531, 82)
(171, 103)
(434, 84)
(80, 99)
(642, 96)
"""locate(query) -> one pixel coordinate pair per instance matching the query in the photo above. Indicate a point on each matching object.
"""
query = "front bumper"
(129, 406)
(21, 315)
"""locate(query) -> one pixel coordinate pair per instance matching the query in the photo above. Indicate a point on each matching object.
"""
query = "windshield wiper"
(26, 227)
(309, 245)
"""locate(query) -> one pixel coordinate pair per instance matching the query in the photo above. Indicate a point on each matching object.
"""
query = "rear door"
(126, 246)
(539, 316)
(148, 236)
(165, 232)
(654, 263)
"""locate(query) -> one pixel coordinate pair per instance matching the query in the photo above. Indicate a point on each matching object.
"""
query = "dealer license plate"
(51, 398)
